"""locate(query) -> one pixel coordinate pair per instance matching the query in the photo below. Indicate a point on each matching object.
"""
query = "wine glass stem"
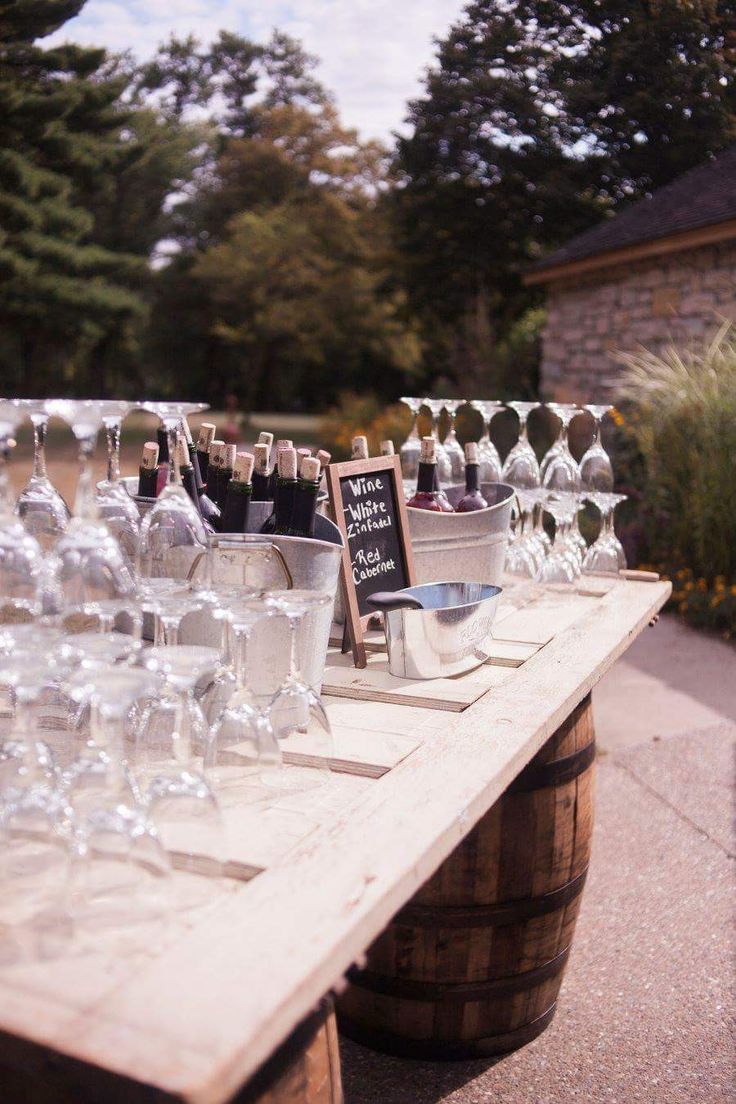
(113, 452)
(243, 638)
(7, 503)
(180, 741)
(293, 655)
(39, 448)
(171, 629)
(84, 504)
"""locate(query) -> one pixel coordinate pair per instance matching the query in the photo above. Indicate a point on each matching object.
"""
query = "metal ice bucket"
(257, 511)
(436, 630)
(277, 563)
(463, 546)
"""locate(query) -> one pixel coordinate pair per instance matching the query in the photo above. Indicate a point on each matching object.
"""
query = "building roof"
(684, 213)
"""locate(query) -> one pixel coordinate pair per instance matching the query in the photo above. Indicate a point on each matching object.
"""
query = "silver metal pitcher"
(436, 630)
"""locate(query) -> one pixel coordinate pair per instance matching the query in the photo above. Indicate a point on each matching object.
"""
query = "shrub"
(681, 412)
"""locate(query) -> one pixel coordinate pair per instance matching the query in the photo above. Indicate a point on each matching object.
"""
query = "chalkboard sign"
(367, 499)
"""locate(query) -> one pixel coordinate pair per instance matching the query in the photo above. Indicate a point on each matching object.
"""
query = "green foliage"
(681, 412)
(538, 118)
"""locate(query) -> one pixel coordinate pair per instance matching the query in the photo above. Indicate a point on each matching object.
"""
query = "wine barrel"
(305, 1069)
(472, 966)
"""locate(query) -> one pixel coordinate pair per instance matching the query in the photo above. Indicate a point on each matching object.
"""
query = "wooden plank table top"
(193, 1005)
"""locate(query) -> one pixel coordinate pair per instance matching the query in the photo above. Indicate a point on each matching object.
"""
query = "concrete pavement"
(646, 1011)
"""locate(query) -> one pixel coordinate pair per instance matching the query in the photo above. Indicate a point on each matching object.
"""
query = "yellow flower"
(716, 600)
(617, 417)
(682, 573)
(689, 585)
(682, 608)
(720, 583)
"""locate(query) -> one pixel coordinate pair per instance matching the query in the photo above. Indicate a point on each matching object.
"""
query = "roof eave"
(670, 243)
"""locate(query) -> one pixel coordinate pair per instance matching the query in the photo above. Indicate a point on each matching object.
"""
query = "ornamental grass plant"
(680, 409)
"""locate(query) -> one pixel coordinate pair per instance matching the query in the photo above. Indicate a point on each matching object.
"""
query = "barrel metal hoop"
(556, 773)
(493, 916)
(457, 992)
(439, 1050)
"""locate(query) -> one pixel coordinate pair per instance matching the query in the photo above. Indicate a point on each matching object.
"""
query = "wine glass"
(113, 501)
(41, 508)
(172, 735)
(297, 712)
(444, 467)
(409, 451)
(169, 600)
(88, 569)
(596, 470)
(490, 468)
(606, 554)
(451, 445)
(525, 554)
(35, 852)
(22, 567)
(561, 565)
(24, 759)
(521, 462)
(173, 533)
(243, 744)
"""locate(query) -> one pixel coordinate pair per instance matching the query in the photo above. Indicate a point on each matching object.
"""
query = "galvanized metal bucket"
(257, 511)
(463, 546)
(437, 630)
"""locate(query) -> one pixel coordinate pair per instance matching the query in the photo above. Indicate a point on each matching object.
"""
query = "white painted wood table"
(191, 1008)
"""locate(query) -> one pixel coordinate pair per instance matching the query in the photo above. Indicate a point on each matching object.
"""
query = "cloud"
(373, 52)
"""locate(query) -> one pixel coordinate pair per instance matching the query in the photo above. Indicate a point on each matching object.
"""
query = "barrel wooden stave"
(473, 965)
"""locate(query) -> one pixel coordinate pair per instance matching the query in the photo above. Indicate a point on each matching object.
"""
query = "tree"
(59, 120)
(539, 117)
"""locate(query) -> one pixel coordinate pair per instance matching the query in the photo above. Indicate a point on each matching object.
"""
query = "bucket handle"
(268, 547)
(385, 600)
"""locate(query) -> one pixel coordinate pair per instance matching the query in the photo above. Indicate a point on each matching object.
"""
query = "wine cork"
(284, 443)
(262, 457)
(360, 448)
(310, 469)
(216, 453)
(427, 451)
(149, 459)
(387, 448)
(265, 439)
(287, 463)
(243, 467)
(182, 452)
(302, 452)
(206, 436)
(228, 460)
(471, 452)
(324, 458)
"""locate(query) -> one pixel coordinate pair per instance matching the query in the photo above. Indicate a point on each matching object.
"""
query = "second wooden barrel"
(472, 966)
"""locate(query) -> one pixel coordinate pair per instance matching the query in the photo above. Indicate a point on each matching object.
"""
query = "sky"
(373, 52)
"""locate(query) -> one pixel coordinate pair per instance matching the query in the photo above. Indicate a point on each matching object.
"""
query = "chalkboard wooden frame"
(356, 623)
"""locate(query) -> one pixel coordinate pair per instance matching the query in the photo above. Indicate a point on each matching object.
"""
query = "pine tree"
(59, 124)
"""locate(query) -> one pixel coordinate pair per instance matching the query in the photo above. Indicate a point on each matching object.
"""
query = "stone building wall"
(678, 297)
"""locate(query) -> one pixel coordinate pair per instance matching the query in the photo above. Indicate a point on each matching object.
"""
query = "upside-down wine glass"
(444, 467)
(21, 557)
(562, 473)
(490, 466)
(451, 445)
(596, 470)
(90, 572)
(297, 712)
(41, 508)
(409, 451)
(113, 501)
(243, 745)
(173, 533)
(562, 565)
(606, 555)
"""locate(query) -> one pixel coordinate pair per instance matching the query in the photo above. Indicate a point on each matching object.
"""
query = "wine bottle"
(283, 501)
(225, 474)
(216, 454)
(425, 496)
(387, 448)
(359, 449)
(206, 436)
(163, 460)
(282, 443)
(305, 498)
(148, 471)
(262, 473)
(472, 499)
(186, 472)
(237, 499)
